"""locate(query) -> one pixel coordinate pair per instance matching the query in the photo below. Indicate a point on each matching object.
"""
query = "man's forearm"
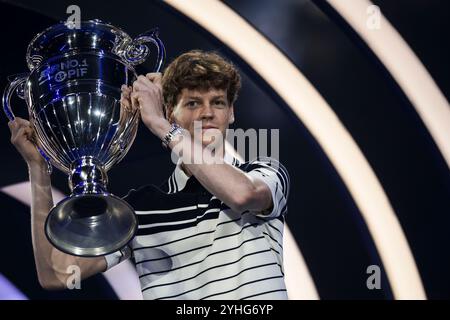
(41, 204)
(226, 182)
(229, 184)
(52, 264)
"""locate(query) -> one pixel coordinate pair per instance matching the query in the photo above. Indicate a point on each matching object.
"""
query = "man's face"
(210, 108)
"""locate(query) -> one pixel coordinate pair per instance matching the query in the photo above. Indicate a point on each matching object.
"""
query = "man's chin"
(209, 142)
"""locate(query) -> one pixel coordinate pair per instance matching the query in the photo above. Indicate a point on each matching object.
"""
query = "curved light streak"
(8, 291)
(405, 67)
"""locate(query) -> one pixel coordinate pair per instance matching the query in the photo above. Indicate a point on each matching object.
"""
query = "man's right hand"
(23, 138)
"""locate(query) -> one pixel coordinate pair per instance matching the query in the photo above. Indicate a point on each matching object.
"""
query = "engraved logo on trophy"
(70, 69)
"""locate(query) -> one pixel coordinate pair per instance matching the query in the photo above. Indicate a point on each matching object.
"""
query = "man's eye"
(219, 102)
(191, 104)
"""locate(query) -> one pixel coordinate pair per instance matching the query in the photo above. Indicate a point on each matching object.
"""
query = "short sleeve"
(275, 175)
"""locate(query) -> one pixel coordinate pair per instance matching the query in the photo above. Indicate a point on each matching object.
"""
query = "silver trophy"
(73, 94)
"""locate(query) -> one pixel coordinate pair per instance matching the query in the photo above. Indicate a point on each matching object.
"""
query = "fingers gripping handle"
(137, 51)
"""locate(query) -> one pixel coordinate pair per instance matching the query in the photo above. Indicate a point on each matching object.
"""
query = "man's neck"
(186, 170)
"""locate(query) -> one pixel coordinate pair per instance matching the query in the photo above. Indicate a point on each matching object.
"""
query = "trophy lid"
(62, 38)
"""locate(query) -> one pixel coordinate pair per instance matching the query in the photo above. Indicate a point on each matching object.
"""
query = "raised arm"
(52, 266)
(234, 187)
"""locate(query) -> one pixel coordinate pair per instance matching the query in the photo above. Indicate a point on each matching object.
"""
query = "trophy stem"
(87, 176)
(90, 222)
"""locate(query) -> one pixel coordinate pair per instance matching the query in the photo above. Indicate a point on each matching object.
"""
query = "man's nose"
(207, 112)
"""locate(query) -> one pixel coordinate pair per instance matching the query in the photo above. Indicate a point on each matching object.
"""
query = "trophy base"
(91, 225)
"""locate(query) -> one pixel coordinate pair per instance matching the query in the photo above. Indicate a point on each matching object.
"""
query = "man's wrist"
(37, 166)
(38, 170)
(172, 135)
(160, 128)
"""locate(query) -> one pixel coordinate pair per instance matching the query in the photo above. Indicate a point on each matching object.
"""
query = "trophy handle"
(16, 85)
(137, 51)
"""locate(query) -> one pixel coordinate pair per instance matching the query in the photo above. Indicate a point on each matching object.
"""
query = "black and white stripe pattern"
(190, 245)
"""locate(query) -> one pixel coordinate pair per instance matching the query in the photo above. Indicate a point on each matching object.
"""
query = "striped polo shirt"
(190, 245)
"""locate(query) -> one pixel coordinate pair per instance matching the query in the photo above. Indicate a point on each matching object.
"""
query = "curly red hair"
(199, 70)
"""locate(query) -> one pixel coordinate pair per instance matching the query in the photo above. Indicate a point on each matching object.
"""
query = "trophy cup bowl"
(73, 95)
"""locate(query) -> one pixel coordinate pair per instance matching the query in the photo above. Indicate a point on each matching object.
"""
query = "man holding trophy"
(213, 230)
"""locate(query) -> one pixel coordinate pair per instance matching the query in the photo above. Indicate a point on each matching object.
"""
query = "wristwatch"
(173, 132)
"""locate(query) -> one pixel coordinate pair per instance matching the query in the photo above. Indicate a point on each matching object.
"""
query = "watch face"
(169, 136)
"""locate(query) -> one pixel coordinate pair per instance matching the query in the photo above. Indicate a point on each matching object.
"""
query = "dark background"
(322, 215)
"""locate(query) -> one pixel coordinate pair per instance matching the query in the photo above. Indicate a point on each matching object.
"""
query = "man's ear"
(231, 119)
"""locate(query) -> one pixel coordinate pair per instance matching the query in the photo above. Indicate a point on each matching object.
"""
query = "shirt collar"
(179, 178)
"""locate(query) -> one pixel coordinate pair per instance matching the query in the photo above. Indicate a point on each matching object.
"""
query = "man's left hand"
(147, 95)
